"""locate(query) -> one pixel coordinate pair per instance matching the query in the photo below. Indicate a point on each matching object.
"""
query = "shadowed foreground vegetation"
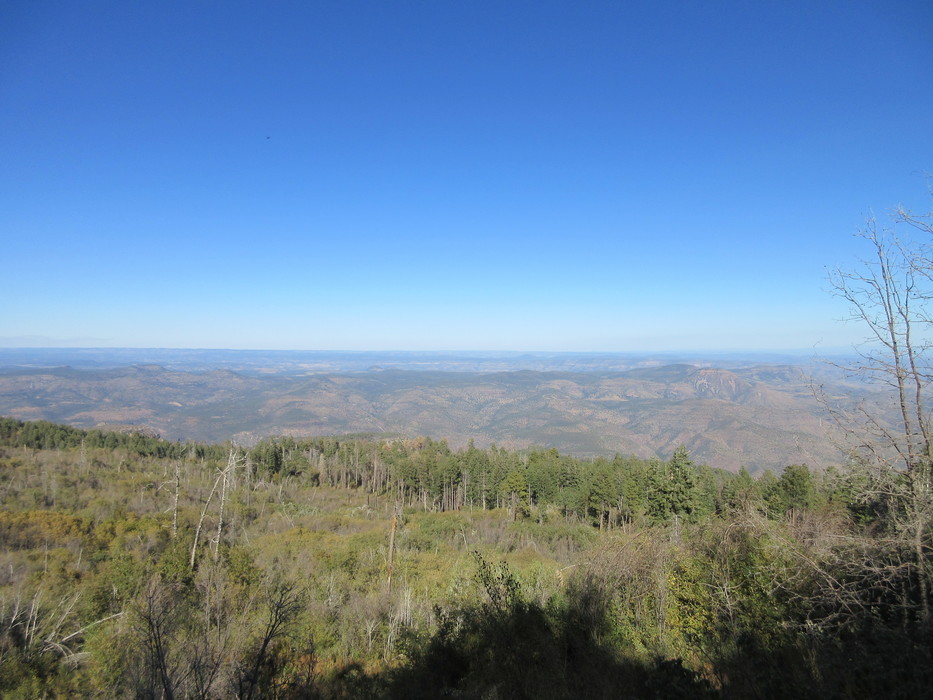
(353, 568)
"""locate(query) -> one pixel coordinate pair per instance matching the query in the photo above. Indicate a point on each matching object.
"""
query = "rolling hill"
(760, 416)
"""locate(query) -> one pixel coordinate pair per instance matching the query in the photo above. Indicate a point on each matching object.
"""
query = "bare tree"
(228, 474)
(283, 602)
(159, 621)
(223, 475)
(888, 294)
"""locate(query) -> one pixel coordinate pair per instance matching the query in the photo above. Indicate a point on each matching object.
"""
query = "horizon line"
(688, 351)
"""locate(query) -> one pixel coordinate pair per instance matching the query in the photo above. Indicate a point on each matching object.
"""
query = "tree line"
(536, 483)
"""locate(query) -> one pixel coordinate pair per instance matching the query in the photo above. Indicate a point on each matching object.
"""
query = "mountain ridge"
(759, 417)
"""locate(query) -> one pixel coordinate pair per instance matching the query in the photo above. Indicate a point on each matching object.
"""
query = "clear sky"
(450, 174)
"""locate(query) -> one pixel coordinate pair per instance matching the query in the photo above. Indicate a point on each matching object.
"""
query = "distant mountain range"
(757, 415)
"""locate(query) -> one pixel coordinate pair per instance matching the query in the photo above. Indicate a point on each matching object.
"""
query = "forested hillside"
(356, 567)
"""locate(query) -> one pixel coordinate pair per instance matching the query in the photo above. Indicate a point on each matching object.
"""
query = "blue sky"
(601, 176)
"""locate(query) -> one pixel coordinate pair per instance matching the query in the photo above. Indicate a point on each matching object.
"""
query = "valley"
(728, 413)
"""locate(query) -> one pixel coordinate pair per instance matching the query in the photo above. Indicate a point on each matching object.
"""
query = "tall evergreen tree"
(673, 488)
